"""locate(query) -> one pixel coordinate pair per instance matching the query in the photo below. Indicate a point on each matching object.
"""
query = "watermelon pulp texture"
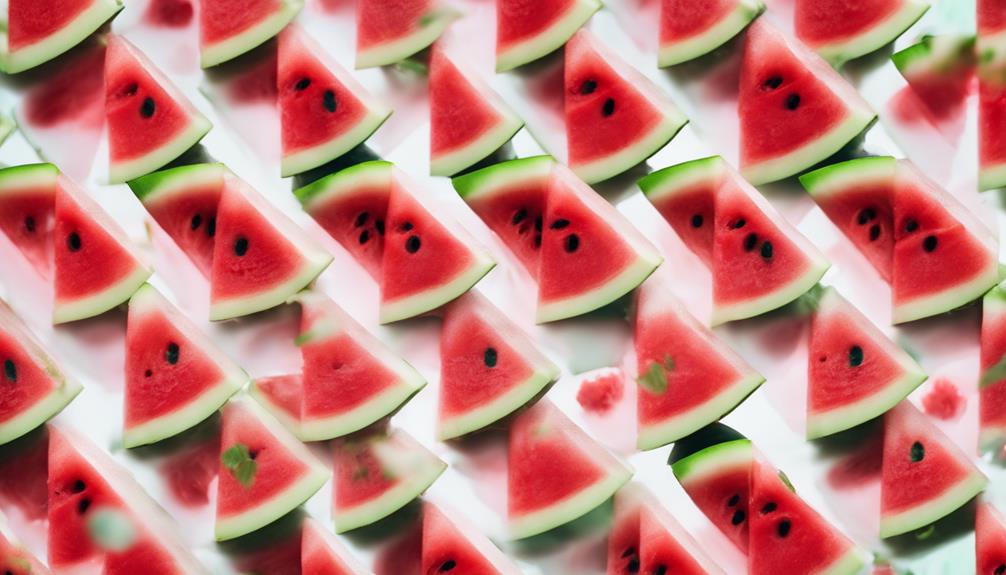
(453, 545)
(526, 30)
(991, 94)
(37, 32)
(229, 28)
(939, 70)
(322, 554)
(692, 28)
(794, 109)
(992, 385)
(840, 31)
(388, 31)
(990, 539)
(27, 202)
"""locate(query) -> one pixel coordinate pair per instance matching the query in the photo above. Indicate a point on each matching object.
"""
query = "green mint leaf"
(245, 472)
(238, 460)
(654, 379)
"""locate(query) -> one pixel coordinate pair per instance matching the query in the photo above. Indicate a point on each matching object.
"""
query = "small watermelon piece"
(260, 257)
(526, 31)
(27, 206)
(377, 474)
(96, 267)
(854, 372)
(455, 545)
(38, 32)
(693, 28)
(992, 385)
(282, 396)
(176, 377)
(264, 471)
(840, 31)
(925, 476)
(616, 117)
(795, 110)
(991, 49)
(229, 28)
(990, 539)
(684, 194)
(183, 201)
(322, 554)
(149, 121)
(555, 471)
(324, 111)
(489, 367)
(389, 31)
(687, 377)
(15, 559)
(34, 388)
(789, 536)
(468, 120)
(939, 70)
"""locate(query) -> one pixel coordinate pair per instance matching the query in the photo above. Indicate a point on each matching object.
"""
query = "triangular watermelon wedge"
(692, 28)
(96, 266)
(526, 32)
(149, 121)
(854, 372)
(27, 206)
(990, 539)
(264, 471)
(840, 31)
(324, 111)
(176, 377)
(992, 385)
(455, 545)
(555, 471)
(36, 32)
(34, 388)
(260, 257)
(925, 476)
(795, 110)
(389, 31)
(687, 378)
(615, 116)
(322, 554)
(377, 474)
(15, 559)
(789, 536)
(939, 70)
(229, 28)
(489, 367)
(468, 120)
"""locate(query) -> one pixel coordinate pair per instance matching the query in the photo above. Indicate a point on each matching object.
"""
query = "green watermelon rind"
(934, 54)
(452, 162)
(124, 171)
(992, 177)
(876, 36)
(163, 185)
(604, 168)
(550, 39)
(99, 303)
(310, 158)
(941, 303)
(414, 305)
(626, 281)
(712, 460)
(400, 49)
(794, 289)
(672, 53)
(671, 180)
(25, 176)
(252, 37)
(991, 438)
(82, 26)
(850, 563)
(934, 509)
(836, 178)
(480, 184)
(375, 173)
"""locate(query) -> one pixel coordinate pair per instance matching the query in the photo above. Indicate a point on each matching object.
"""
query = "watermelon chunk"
(150, 122)
(264, 471)
(377, 474)
(991, 49)
(229, 28)
(324, 111)
(37, 32)
(260, 257)
(990, 539)
(854, 372)
(489, 367)
(939, 70)
(27, 205)
(457, 546)
(527, 30)
(687, 377)
(795, 110)
(616, 117)
(789, 536)
(693, 28)
(322, 554)
(176, 377)
(924, 476)
(388, 31)
(96, 266)
(555, 471)
(282, 396)
(468, 120)
(992, 386)
(840, 31)
(14, 558)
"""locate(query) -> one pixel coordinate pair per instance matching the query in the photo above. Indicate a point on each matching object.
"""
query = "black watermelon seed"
(405, 227)
(78, 486)
(766, 250)
(659, 570)
(784, 527)
(588, 87)
(855, 356)
(769, 508)
(361, 219)
(130, 90)
(633, 565)
(412, 244)
(83, 505)
(918, 452)
(379, 226)
(241, 246)
(519, 216)
(738, 517)
(8, 572)
(911, 226)
(737, 224)
(560, 224)
(148, 373)
(538, 222)
(448, 565)
(364, 236)
(253, 454)
(793, 101)
(929, 244)
(874, 232)
(302, 84)
(73, 242)
(867, 215)
(772, 83)
(197, 220)
(608, 108)
(1000, 569)
(172, 353)
(572, 243)
(628, 552)
(10, 370)
(750, 241)
(211, 227)
(697, 221)
(29, 224)
(490, 357)
(328, 100)
(147, 108)
(733, 501)
(537, 240)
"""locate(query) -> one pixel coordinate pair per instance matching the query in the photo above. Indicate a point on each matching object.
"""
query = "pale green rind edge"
(849, 564)
(500, 407)
(402, 48)
(42, 411)
(930, 511)
(278, 412)
(774, 300)
(613, 164)
(570, 508)
(671, 53)
(838, 177)
(390, 501)
(950, 299)
(315, 262)
(197, 410)
(103, 301)
(627, 280)
(992, 177)
(713, 458)
(548, 40)
(450, 163)
(256, 35)
(485, 182)
(304, 160)
(119, 172)
(27, 175)
(342, 182)
(851, 415)
(431, 299)
(99, 12)
(377, 407)
(876, 37)
(278, 506)
(667, 181)
(149, 188)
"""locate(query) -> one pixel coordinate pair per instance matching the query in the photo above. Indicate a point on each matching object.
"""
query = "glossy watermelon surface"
(229, 28)
(990, 538)
(528, 30)
(37, 32)
(27, 206)
(841, 30)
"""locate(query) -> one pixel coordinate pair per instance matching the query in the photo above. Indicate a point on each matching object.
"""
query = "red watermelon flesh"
(925, 476)
(229, 28)
(37, 32)
(841, 30)
(692, 28)
(991, 140)
(939, 69)
(322, 554)
(990, 539)
(789, 536)
(27, 202)
(690, 212)
(388, 31)
(281, 395)
(15, 559)
(991, 16)
(992, 385)
(28, 24)
(527, 30)
(456, 546)
(681, 19)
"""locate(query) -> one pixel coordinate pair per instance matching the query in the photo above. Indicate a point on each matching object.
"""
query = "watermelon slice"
(990, 539)
(455, 545)
(96, 266)
(149, 121)
(555, 471)
(687, 378)
(183, 201)
(526, 31)
(14, 558)
(854, 372)
(759, 262)
(840, 31)
(795, 110)
(489, 367)
(282, 396)
(924, 476)
(616, 117)
(229, 28)
(324, 111)
(992, 386)
(264, 471)
(939, 70)
(468, 120)
(27, 203)
(37, 32)
(260, 257)
(322, 554)
(991, 49)
(34, 388)
(377, 474)
(176, 377)
(693, 28)
(789, 536)
(389, 31)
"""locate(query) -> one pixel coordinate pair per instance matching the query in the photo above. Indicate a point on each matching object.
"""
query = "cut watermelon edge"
(991, 438)
(548, 40)
(397, 50)
(669, 181)
(824, 182)
(489, 181)
(950, 299)
(82, 26)
(934, 509)
(420, 303)
(850, 415)
(609, 166)
(310, 158)
(279, 412)
(392, 500)
(876, 36)
(385, 403)
(28, 176)
(850, 563)
(629, 278)
(786, 294)
(672, 53)
(43, 410)
(992, 177)
(711, 461)
(452, 162)
(316, 262)
(126, 170)
(258, 34)
(932, 52)
(500, 407)
(375, 173)
(166, 184)
(99, 303)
